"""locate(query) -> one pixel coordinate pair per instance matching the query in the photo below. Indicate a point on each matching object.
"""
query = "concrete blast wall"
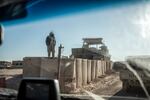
(89, 71)
(84, 71)
(97, 69)
(32, 67)
(48, 68)
(79, 72)
(74, 73)
(93, 65)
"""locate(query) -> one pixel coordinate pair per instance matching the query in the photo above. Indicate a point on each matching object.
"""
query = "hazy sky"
(125, 30)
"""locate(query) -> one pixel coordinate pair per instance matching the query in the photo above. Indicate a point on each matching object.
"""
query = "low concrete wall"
(74, 73)
(31, 66)
(48, 68)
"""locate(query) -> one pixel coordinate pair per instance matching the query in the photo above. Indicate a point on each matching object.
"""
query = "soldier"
(51, 42)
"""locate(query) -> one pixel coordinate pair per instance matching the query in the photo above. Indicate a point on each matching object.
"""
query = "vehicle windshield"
(119, 30)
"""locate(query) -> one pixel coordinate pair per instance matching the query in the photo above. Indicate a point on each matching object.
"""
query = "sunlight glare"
(143, 22)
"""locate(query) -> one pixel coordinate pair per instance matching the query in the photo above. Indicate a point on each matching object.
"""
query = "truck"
(93, 48)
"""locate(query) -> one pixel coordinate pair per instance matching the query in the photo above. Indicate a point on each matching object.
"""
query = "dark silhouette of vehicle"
(93, 48)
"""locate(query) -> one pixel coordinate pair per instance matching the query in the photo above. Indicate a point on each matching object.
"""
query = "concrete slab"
(31, 66)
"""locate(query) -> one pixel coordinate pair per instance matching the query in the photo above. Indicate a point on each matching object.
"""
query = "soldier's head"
(51, 34)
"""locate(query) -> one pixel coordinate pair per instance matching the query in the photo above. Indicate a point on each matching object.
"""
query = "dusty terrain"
(106, 86)
(13, 77)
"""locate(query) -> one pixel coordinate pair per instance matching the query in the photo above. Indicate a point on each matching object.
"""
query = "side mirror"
(38, 89)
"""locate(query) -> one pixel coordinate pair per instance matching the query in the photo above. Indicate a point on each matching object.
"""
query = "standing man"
(50, 43)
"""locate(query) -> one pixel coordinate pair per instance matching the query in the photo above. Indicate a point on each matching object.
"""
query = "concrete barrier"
(84, 72)
(93, 65)
(79, 72)
(88, 71)
(31, 66)
(49, 68)
(100, 68)
(111, 65)
(108, 66)
(97, 69)
(104, 67)
(68, 74)
(74, 73)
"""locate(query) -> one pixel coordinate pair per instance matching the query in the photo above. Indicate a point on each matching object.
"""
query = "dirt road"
(114, 89)
(109, 88)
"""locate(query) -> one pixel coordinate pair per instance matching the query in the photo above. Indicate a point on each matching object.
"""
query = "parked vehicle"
(88, 52)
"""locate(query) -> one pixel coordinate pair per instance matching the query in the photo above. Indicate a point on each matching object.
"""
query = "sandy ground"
(13, 77)
(108, 85)
(111, 86)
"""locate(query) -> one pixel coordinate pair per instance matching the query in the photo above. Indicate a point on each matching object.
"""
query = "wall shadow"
(13, 82)
(135, 92)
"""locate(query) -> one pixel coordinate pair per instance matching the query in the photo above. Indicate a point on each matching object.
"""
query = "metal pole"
(59, 59)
